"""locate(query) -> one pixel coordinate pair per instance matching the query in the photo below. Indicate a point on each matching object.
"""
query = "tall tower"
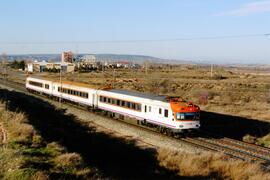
(67, 57)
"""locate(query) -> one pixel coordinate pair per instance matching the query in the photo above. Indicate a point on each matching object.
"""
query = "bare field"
(240, 96)
(59, 146)
(228, 91)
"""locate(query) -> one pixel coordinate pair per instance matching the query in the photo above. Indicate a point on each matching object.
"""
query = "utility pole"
(146, 67)
(113, 78)
(211, 70)
(60, 74)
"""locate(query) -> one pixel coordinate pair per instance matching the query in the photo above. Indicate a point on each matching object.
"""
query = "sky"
(119, 26)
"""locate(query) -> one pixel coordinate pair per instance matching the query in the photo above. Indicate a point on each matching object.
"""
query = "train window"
(133, 106)
(58, 89)
(160, 111)
(113, 101)
(149, 108)
(166, 113)
(105, 99)
(109, 100)
(145, 108)
(123, 103)
(118, 102)
(36, 83)
(47, 86)
(100, 98)
(87, 95)
(138, 107)
(128, 104)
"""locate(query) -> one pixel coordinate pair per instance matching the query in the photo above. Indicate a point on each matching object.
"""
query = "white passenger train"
(168, 114)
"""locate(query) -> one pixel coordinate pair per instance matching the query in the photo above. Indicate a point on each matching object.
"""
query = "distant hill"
(123, 57)
(126, 57)
(99, 57)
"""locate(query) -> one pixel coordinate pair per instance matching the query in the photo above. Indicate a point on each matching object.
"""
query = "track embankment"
(224, 145)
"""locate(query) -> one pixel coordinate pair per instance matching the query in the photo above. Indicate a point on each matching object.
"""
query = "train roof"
(72, 83)
(108, 89)
(141, 95)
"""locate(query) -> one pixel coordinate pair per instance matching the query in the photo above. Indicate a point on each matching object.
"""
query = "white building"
(43, 66)
(88, 59)
(30, 67)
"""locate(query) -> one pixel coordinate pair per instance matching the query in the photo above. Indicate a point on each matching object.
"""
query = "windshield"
(187, 116)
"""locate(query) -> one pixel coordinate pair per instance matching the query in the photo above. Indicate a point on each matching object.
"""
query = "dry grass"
(209, 165)
(233, 92)
(25, 147)
(68, 161)
(241, 92)
(264, 141)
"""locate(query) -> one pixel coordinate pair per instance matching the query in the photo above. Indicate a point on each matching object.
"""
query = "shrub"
(249, 139)
(218, 77)
(265, 141)
(40, 175)
(69, 161)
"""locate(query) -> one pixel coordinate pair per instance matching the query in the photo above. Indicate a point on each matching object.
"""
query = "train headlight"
(181, 126)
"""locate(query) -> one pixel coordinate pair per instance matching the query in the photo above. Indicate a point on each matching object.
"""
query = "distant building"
(88, 59)
(43, 66)
(67, 67)
(67, 57)
(30, 67)
(88, 62)
(123, 64)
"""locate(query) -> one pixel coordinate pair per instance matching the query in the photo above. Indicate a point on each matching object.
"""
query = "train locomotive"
(167, 114)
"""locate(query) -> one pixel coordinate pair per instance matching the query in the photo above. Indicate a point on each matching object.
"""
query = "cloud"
(248, 9)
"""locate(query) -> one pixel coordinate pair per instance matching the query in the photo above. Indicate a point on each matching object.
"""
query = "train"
(165, 113)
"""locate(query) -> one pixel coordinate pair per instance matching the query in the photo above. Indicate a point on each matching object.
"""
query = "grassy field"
(28, 154)
(243, 92)
(210, 165)
(238, 93)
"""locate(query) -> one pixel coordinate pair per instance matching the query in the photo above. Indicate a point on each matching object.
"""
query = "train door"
(145, 109)
(160, 113)
(93, 100)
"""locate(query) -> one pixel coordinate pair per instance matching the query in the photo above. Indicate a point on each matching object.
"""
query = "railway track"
(230, 147)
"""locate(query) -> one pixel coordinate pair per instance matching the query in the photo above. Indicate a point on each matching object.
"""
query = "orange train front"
(186, 114)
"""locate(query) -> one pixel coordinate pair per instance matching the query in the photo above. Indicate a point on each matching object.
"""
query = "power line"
(138, 41)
